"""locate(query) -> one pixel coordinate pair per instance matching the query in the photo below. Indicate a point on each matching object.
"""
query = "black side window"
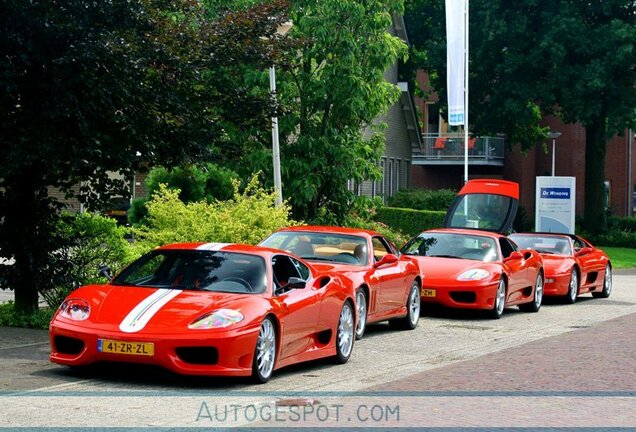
(283, 269)
(302, 269)
(506, 247)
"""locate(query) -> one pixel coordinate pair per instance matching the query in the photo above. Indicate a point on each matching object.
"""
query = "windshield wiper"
(445, 256)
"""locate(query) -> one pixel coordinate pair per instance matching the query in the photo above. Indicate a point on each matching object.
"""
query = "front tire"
(535, 304)
(500, 300)
(345, 333)
(361, 306)
(265, 352)
(607, 284)
(409, 322)
(573, 288)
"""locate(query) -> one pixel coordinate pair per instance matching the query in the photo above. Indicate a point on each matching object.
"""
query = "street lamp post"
(554, 136)
(282, 31)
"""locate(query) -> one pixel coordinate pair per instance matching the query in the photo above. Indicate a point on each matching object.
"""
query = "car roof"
(225, 247)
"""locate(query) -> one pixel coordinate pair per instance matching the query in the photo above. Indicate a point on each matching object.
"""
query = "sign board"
(555, 204)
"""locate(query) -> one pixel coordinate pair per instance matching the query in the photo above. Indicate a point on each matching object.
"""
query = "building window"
(388, 178)
(382, 178)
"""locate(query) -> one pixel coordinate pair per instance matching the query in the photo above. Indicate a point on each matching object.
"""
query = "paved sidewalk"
(597, 359)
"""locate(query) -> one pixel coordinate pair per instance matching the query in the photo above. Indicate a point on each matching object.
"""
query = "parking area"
(560, 367)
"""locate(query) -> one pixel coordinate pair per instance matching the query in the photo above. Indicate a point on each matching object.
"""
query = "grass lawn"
(621, 258)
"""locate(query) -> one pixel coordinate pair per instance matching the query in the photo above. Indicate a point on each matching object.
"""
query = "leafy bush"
(614, 238)
(423, 199)
(210, 182)
(626, 224)
(621, 232)
(89, 241)
(9, 317)
(410, 221)
(248, 217)
(137, 211)
(194, 183)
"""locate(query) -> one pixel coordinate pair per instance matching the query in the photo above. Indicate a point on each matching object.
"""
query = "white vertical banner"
(455, 59)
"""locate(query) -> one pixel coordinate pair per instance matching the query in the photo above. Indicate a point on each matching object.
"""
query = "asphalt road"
(569, 366)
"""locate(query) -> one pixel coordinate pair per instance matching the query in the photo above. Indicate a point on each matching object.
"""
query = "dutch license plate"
(429, 293)
(125, 347)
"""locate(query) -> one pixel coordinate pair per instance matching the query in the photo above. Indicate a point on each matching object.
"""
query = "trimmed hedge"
(621, 232)
(409, 221)
(626, 224)
(423, 199)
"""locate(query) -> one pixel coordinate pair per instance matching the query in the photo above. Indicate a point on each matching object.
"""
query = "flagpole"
(466, 92)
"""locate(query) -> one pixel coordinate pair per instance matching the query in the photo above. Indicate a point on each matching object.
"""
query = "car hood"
(556, 263)
(341, 268)
(138, 309)
(437, 269)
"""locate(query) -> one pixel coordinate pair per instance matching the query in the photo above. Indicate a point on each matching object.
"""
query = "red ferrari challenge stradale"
(572, 265)
(387, 283)
(470, 263)
(209, 309)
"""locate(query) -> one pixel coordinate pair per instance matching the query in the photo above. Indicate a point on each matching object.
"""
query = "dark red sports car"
(209, 309)
(387, 282)
(573, 266)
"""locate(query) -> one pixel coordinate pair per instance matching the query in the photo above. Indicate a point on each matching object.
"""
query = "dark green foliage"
(208, 183)
(523, 222)
(409, 221)
(87, 241)
(92, 87)
(627, 224)
(423, 199)
(137, 211)
(10, 317)
(572, 59)
(621, 232)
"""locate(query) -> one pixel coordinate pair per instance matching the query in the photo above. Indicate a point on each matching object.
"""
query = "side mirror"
(386, 259)
(515, 256)
(296, 283)
(583, 251)
(105, 272)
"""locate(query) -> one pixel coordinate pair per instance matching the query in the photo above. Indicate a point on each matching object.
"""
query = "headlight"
(217, 319)
(75, 309)
(473, 275)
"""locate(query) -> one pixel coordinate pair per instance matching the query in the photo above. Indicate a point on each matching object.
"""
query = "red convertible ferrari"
(471, 264)
(209, 309)
(387, 283)
(572, 265)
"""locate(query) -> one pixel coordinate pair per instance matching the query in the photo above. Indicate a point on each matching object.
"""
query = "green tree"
(86, 87)
(527, 59)
(331, 90)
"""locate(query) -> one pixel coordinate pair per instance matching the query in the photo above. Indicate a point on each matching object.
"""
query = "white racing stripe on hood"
(213, 246)
(144, 311)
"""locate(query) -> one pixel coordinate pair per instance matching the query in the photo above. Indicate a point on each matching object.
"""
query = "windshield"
(197, 270)
(482, 211)
(337, 248)
(558, 245)
(447, 245)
